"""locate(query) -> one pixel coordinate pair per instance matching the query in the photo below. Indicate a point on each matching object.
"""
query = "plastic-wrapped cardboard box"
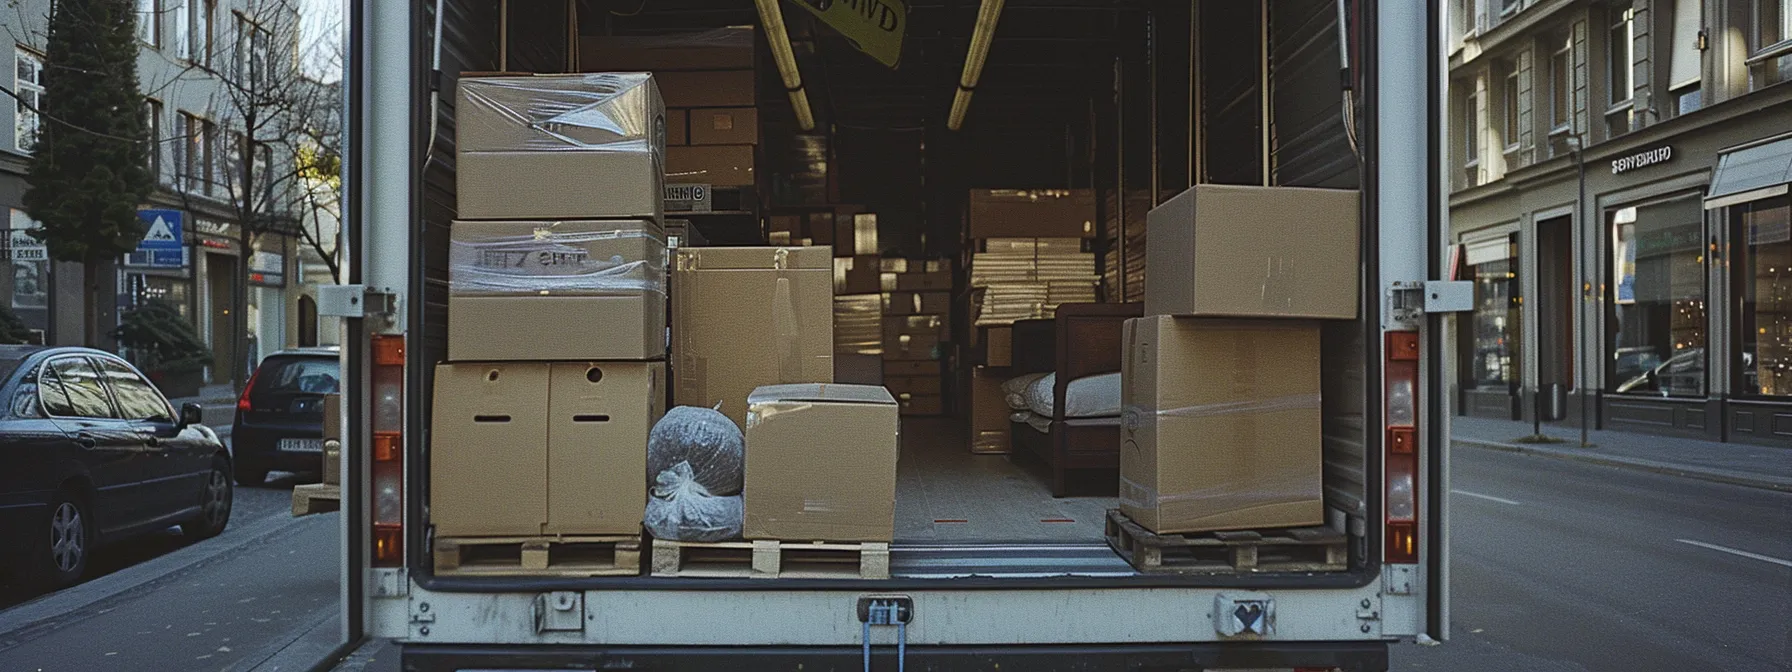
(1239, 251)
(729, 126)
(584, 146)
(530, 448)
(821, 463)
(1221, 426)
(744, 317)
(546, 290)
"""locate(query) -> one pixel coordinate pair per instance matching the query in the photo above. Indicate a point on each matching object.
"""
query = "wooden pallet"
(1302, 549)
(316, 498)
(770, 559)
(610, 555)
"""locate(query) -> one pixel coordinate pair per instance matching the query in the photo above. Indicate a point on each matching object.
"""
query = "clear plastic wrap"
(681, 509)
(559, 258)
(703, 440)
(596, 112)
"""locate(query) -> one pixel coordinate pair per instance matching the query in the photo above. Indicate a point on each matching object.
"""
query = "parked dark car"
(94, 454)
(280, 416)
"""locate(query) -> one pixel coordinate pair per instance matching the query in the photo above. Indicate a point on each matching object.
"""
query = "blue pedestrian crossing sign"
(163, 244)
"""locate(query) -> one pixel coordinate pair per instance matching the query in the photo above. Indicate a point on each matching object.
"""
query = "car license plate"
(301, 445)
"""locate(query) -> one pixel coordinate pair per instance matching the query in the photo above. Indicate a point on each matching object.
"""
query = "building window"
(1772, 60)
(1764, 298)
(1619, 41)
(1561, 87)
(200, 30)
(1688, 100)
(28, 85)
(149, 22)
(1510, 6)
(183, 30)
(1471, 135)
(1492, 337)
(1509, 106)
(199, 137)
(152, 113)
(1658, 295)
(1685, 59)
(253, 55)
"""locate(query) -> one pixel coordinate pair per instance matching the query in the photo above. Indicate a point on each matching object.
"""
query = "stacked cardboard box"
(858, 334)
(745, 317)
(707, 80)
(1222, 388)
(802, 482)
(916, 331)
(557, 318)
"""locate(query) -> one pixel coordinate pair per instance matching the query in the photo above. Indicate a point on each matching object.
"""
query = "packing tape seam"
(1284, 488)
(1293, 402)
(622, 279)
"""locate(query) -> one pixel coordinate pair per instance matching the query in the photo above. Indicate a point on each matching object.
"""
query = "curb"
(1777, 485)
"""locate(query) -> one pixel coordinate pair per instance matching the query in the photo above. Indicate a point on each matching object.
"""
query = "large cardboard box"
(585, 146)
(727, 126)
(856, 275)
(855, 234)
(745, 317)
(913, 385)
(859, 369)
(990, 431)
(706, 88)
(1237, 251)
(530, 448)
(715, 165)
(721, 49)
(998, 346)
(920, 404)
(488, 449)
(1039, 213)
(599, 416)
(912, 346)
(924, 281)
(678, 127)
(1222, 424)
(544, 290)
(805, 480)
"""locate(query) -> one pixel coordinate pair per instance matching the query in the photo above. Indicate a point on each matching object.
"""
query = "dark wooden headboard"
(1035, 346)
(1091, 338)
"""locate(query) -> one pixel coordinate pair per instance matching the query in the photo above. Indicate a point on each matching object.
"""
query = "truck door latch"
(887, 610)
(1244, 614)
(560, 611)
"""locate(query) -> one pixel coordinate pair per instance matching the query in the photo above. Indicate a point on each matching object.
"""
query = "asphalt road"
(1561, 566)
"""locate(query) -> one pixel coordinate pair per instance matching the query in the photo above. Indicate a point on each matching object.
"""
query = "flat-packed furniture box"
(744, 317)
(556, 290)
(1035, 213)
(707, 88)
(1222, 424)
(534, 448)
(725, 126)
(859, 369)
(923, 281)
(857, 325)
(805, 484)
(991, 432)
(678, 128)
(1240, 251)
(716, 165)
(998, 346)
(590, 146)
(856, 235)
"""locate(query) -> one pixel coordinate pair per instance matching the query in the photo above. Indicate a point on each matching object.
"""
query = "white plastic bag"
(681, 509)
(709, 442)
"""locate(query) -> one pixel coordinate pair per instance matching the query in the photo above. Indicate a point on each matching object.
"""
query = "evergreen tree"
(89, 170)
(12, 330)
(161, 340)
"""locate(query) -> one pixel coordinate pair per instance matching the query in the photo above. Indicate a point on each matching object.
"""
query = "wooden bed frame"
(1083, 340)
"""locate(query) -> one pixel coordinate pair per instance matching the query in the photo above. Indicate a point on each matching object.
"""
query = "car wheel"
(64, 542)
(214, 503)
(250, 474)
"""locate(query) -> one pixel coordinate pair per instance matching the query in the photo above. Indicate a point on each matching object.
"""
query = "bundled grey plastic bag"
(681, 509)
(706, 440)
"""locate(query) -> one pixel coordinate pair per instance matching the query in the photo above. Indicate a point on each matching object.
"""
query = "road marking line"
(1732, 551)
(1489, 498)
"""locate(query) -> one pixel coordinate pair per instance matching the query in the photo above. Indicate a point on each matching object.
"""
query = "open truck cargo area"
(1059, 334)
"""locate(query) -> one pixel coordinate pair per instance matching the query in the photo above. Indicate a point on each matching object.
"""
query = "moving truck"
(1136, 100)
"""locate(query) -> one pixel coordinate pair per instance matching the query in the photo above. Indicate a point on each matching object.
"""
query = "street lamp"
(1588, 241)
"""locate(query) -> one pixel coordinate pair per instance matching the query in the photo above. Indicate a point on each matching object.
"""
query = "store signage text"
(1626, 164)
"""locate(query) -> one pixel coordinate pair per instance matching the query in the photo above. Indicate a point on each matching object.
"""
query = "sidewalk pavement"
(1734, 463)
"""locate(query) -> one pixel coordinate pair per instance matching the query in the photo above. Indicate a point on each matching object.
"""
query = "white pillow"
(1014, 390)
(1096, 396)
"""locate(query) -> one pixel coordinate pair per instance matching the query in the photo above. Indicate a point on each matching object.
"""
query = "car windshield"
(298, 375)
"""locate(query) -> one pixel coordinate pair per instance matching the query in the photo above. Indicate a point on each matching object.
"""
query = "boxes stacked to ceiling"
(916, 331)
(858, 307)
(1223, 423)
(707, 81)
(556, 309)
(1029, 255)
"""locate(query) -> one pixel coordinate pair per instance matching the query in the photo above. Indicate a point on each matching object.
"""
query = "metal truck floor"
(945, 494)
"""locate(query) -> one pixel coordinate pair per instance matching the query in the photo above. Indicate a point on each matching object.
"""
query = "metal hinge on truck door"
(354, 301)
(1411, 300)
(887, 610)
(1244, 615)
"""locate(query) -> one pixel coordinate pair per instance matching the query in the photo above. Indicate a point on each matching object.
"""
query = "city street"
(1562, 566)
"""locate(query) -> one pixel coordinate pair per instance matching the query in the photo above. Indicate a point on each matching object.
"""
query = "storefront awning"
(1751, 174)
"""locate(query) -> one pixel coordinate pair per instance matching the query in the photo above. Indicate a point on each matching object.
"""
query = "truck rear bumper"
(1347, 656)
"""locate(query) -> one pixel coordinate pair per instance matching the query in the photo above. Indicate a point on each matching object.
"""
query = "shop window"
(1658, 293)
(1492, 339)
(1764, 298)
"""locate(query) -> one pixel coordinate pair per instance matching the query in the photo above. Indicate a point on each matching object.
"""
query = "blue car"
(95, 454)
